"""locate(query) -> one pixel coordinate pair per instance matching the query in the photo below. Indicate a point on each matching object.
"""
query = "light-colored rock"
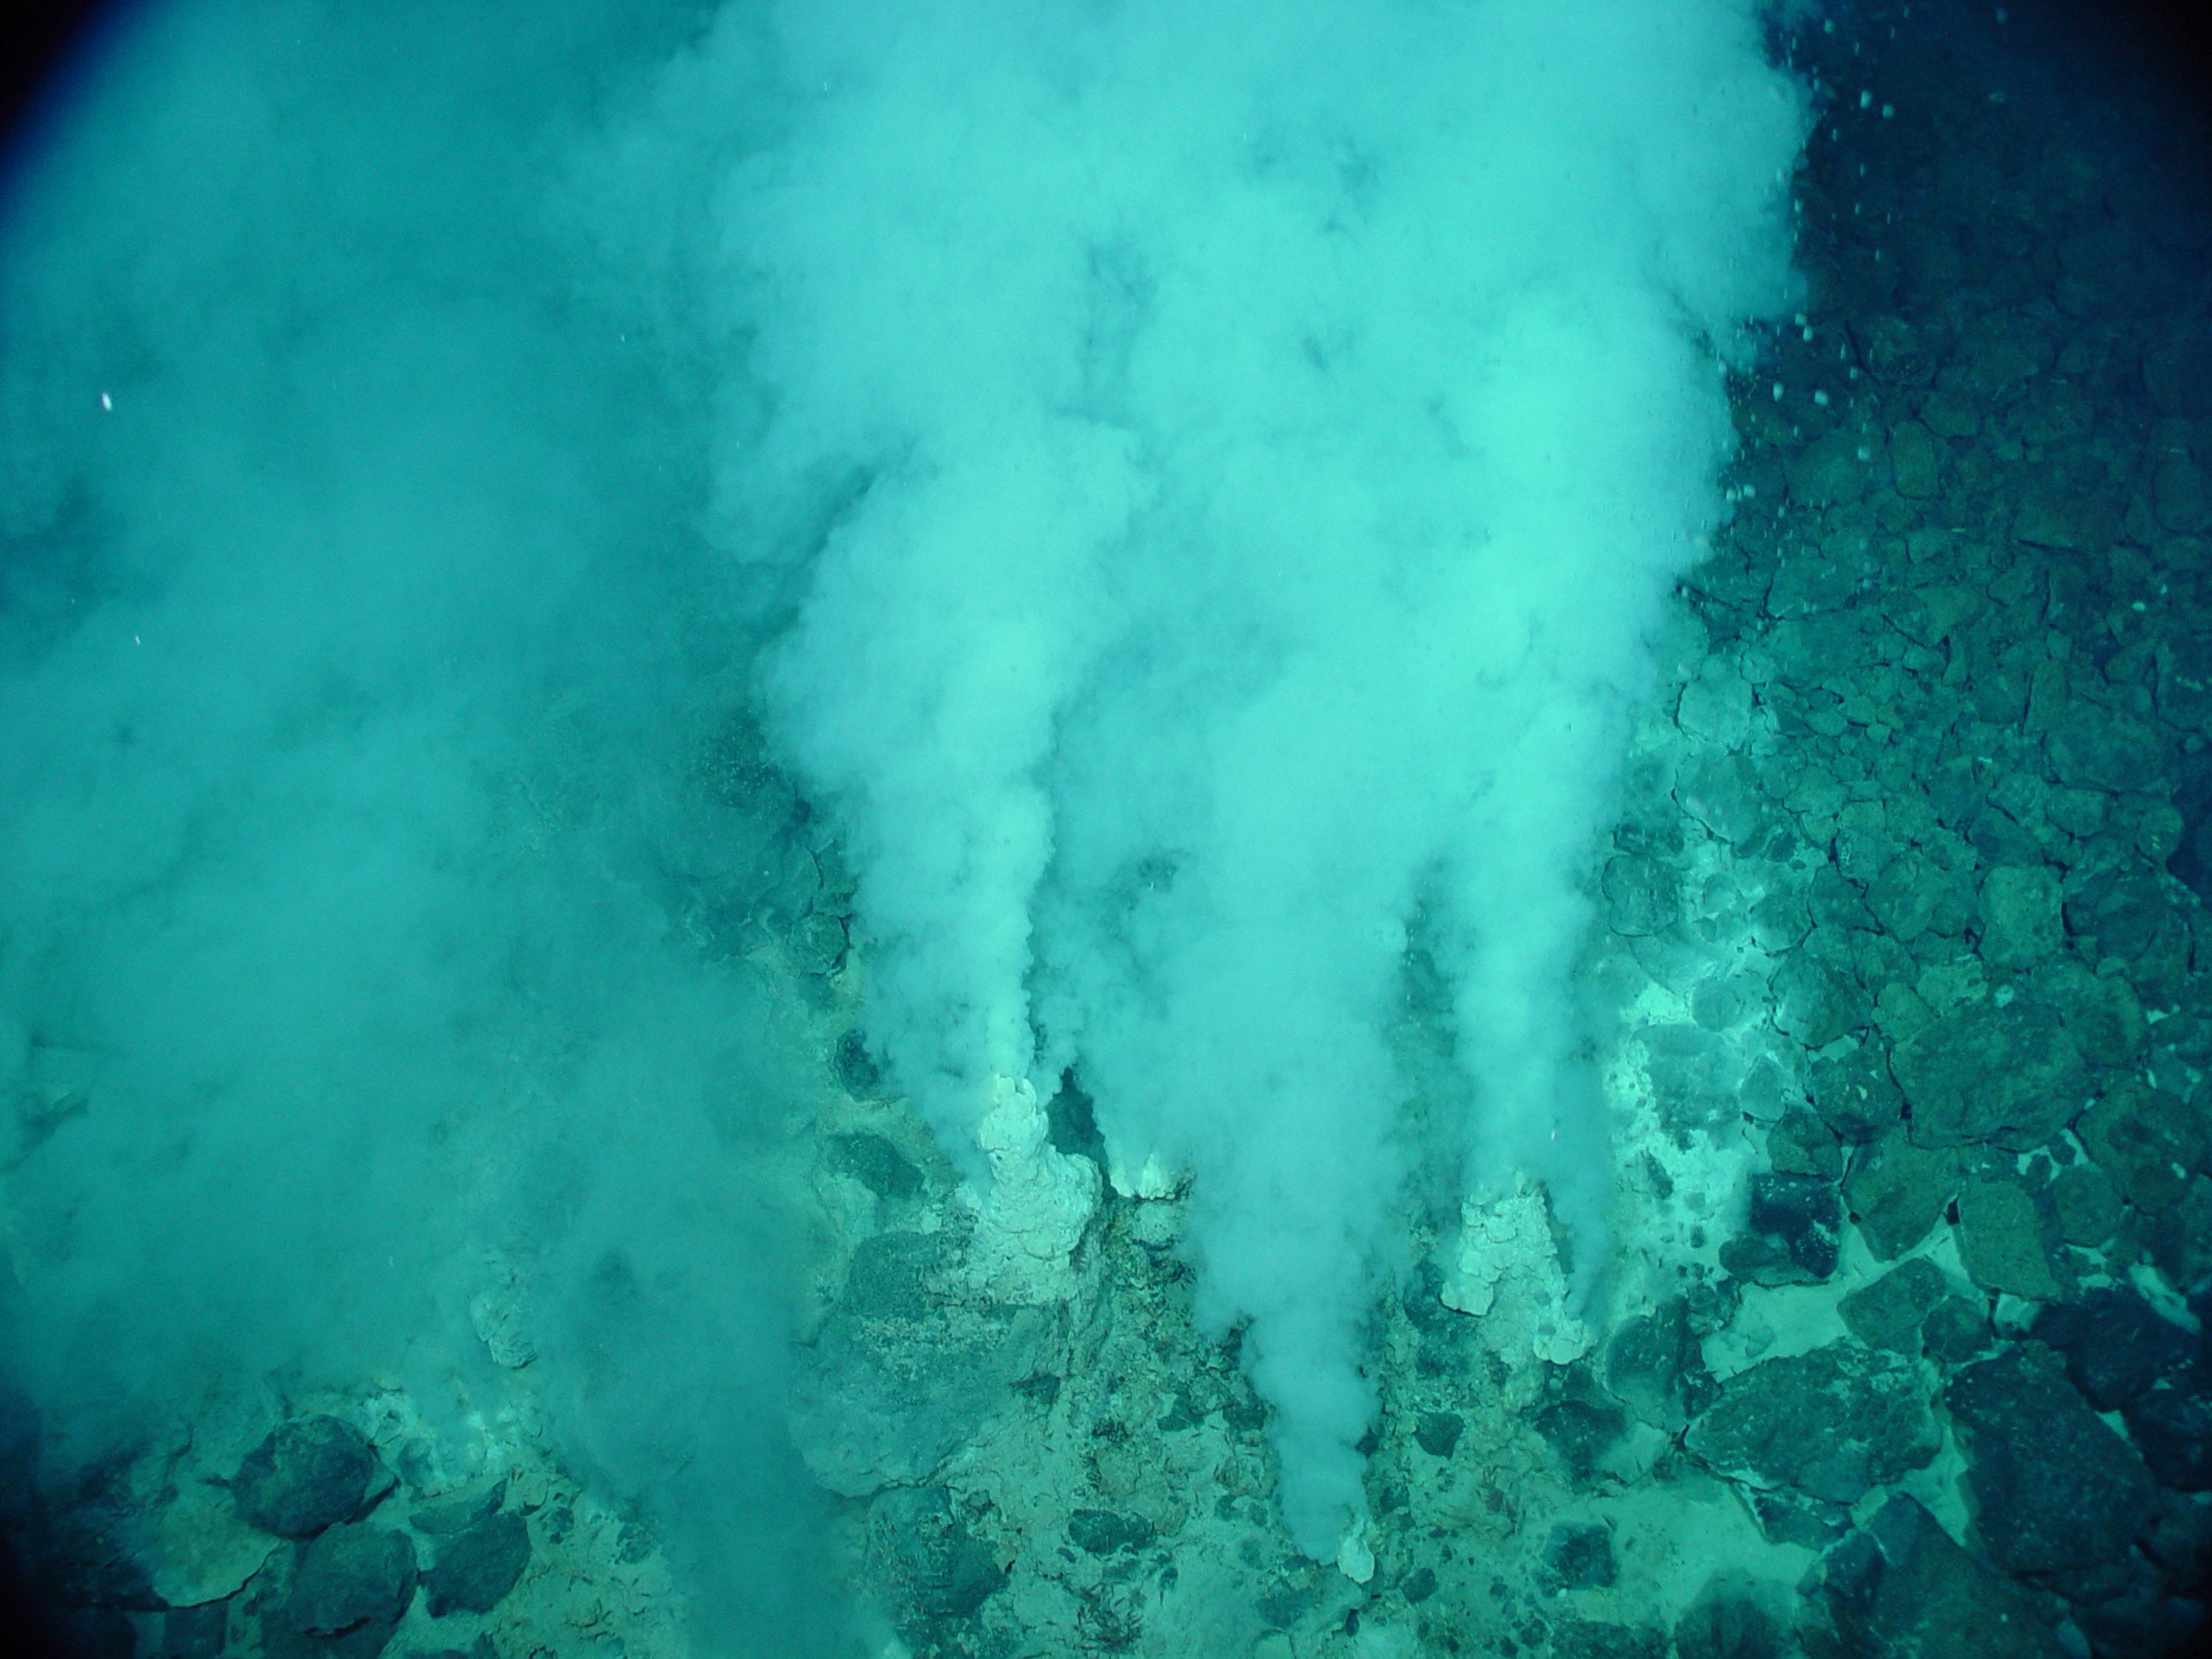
(1028, 1224)
(1507, 1274)
(200, 1551)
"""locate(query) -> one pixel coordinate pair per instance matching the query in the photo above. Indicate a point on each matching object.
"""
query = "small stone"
(1103, 1532)
(2020, 920)
(1579, 1556)
(1803, 1217)
(1437, 1433)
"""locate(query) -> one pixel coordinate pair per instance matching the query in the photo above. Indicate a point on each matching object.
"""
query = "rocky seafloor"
(1901, 986)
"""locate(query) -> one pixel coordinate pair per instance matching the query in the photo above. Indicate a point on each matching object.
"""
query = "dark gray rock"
(199, 1633)
(1833, 1422)
(349, 1576)
(2148, 1141)
(1854, 1095)
(2054, 1487)
(899, 1376)
(1800, 1143)
(1721, 792)
(877, 1164)
(1786, 1515)
(2115, 1344)
(1651, 1362)
(1794, 1235)
(2181, 1238)
(1732, 1619)
(310, 1473)
(476, 1569)
(1437, 1432)
(1886, 1314)
(1103, 1532)
(2093, 748)
(1579, 1556)
(1956, 1331)
(2173, 1426)
(2011, 1076)
(2001, 1240)
(2020, 917)
(1817, 1002)
(1896, 1190)
(457, 1511)
(1580, 1431)
(1900, 1588)
(2085, 1204)
(921, 1545)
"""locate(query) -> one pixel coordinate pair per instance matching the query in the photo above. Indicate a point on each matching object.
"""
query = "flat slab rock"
(1833, 1422)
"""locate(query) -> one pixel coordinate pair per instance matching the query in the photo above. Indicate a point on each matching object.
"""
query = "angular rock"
(2181, 1238)
(2091, 748)
(2173, 1427)
(2001, 1240)
(1901, 1587)
(1955, 1331)
(919, 1544)
(1721, 792)
(1886, 1314)
(2020, 915)
(1799, 1221)
(897, 1380)
(2148, 1141)
(1643, 896)
(2087, 1204)
(2005, 1075)
(1916, 459)
(309, 1474)
(475, 1569)
(1652, 1363)
(2115, 1345)
(2054, 1487)
(1816, 1003)
(1855, 1096)
(1840, 465)
(1579, 1556)
(1896, 1190)
(1833, 1422)
(351, 1574)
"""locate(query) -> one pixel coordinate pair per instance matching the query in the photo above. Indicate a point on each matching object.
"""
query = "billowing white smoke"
(1255, 445)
